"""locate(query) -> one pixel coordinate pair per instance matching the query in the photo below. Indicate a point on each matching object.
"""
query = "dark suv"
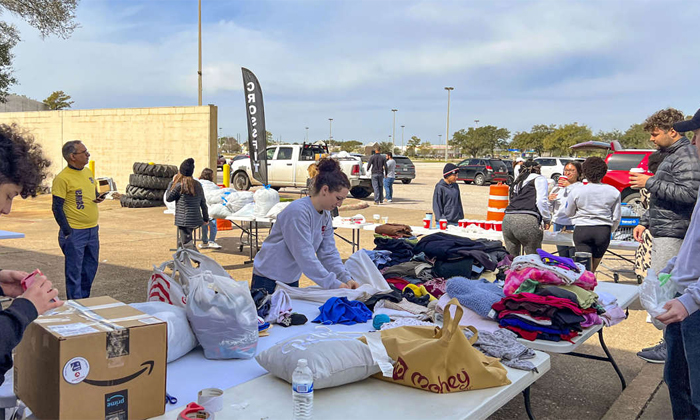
(482, 171)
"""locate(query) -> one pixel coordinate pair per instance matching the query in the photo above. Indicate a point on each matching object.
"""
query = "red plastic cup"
(443, 224)
(488, 225)
(426, 223)
(462, 223)
(498, 226)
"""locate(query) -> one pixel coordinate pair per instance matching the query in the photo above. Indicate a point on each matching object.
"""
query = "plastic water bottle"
(303, 391)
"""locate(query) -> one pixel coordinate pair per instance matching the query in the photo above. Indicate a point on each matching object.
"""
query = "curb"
(636, 397)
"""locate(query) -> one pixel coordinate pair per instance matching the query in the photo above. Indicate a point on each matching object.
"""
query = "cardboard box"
(92, 359)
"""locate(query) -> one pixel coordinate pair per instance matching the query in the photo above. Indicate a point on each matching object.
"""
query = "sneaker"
(389, 200)
(656, 354)
(214, 245)
(203, 246)
(659, 344)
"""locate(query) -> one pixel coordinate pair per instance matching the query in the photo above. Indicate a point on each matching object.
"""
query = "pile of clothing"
(551, 298)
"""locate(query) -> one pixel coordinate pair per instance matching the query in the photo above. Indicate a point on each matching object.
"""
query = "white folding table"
(356, 228)
(6, 234)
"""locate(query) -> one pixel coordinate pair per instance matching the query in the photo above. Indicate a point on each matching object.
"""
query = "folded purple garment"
(562, 262)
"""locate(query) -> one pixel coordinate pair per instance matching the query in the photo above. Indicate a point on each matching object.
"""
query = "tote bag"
(440, 360)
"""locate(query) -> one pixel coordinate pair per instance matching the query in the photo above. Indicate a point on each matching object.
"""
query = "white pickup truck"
(287, 166)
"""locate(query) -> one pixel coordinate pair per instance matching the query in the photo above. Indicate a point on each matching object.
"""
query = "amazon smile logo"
(148, 366)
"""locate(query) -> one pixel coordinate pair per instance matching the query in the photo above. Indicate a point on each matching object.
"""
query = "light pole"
(476, 123)
(449, 89)
(402, 127)
(307, 134)
(393, 130)
(330, 130)
(440, 142)
(199, 70)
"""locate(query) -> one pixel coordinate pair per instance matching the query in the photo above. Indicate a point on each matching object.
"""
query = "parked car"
(553, 167)
(482, 171)
(220, 162)
(511, 170)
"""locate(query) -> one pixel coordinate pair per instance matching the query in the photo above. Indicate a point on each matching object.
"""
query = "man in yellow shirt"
(74, 207)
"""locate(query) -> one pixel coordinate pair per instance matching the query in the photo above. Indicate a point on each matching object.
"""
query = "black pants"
(593, 239)
(184, 237)
(260, 282)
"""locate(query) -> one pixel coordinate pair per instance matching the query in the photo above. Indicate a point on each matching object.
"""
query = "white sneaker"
(204, 246)
(389, 201)
(214, 245)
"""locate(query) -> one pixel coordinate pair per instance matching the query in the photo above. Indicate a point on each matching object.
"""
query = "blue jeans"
(377, 181)
(82, 251)
(260, 282)
(682, 368)
(209, 232)
(389, 187)
(564, 251)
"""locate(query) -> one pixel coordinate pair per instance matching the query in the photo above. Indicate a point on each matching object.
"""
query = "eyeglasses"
(84, 151)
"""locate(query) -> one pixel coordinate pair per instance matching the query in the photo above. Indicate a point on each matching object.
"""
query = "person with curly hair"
(301, 241)
(23, 168)
(595, 211)
(74, 206)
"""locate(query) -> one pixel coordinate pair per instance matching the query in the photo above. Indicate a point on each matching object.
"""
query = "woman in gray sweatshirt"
(301, 241)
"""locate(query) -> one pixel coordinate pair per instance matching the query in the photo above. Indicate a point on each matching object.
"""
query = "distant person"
(447, 201)
(23, 168)
(191, 210)
(594, 209)
(528, 212)
(75, 200)
(682, 319)
(377, 167)
(516, 167)
(390, 176)
(573, 174)
(206, 178)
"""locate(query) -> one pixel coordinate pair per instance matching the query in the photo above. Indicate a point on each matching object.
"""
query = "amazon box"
(94, 358)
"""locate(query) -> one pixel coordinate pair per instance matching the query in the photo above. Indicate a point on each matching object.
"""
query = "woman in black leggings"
(594, 209)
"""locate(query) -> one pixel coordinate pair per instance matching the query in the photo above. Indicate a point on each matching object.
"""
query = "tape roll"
(195, 411)
(212, 399)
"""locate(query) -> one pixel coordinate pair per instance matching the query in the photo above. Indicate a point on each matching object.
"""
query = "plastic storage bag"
(276, 210)
(654, 292)
(219, 211)
(223, 317)
(181, 339)
(235, 202)
(265, 199)
(246, 211)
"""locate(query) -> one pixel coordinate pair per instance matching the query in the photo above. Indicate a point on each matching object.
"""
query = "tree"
(350, 145)
(412, 145)
(636, 138)
(50, 17)
(566, 136)
(228, 144)
(386, 146)
(269, 137)
(492, 137)
(425, 149)
(58, 100)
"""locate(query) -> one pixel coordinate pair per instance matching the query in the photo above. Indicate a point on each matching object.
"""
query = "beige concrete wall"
(116, 138)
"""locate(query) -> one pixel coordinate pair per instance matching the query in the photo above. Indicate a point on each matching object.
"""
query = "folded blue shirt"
(338, 310)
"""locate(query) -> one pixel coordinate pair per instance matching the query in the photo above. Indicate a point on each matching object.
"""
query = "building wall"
(116, 138)
(16, 103)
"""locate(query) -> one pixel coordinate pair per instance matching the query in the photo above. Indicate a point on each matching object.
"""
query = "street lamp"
(307, 134)
(330, 132)
(449, 89)
(402, 127)
(476, 123)
(393, 130)
(199, 69)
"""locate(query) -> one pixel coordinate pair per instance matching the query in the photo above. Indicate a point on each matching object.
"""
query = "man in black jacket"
(673, 192)
(22, 169)
(377, 167)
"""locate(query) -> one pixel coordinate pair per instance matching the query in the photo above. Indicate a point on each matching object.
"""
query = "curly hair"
(22, 161)
(594, 169)
(663, 120)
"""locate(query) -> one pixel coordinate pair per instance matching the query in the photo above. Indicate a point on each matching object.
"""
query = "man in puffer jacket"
(673, 192)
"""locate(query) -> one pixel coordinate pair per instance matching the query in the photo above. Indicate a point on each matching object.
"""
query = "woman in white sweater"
(594, 209)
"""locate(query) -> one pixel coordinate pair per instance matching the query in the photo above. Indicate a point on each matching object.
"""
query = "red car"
(620, 161)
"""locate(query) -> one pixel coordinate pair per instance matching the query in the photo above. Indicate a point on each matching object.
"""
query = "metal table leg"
(608, 358)
(528, 408)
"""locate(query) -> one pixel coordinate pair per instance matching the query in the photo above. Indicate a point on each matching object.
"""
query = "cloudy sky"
(513, 64)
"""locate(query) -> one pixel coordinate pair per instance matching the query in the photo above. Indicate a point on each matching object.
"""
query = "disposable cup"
(426, 223)
(443, 224)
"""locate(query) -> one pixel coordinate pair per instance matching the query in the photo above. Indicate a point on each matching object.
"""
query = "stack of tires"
(147, 185)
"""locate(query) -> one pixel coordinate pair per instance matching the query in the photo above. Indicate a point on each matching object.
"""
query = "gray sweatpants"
(522, 234)
(662, 250)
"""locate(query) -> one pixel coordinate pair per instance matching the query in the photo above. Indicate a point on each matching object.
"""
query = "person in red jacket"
(22, 170)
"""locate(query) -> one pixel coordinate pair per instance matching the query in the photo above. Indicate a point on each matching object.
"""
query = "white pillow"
(181, 339)
(335, 359)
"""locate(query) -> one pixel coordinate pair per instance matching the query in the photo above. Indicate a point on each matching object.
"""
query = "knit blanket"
(477, 295)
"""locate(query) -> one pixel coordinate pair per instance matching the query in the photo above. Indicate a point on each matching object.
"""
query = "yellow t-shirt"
(78, 189)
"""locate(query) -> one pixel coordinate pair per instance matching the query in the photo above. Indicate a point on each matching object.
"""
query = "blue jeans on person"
(260, 282)
(564, 251)
(209, 232)
(82, 255)
(377, 181)
(389, 187)
(682, 368)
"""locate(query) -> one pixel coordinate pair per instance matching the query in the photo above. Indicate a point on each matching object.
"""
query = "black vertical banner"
(257, 136)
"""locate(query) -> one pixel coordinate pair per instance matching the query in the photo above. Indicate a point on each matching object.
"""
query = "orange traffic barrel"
(498, 201)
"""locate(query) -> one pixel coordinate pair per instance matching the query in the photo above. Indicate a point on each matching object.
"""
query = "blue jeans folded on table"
(82, 255)
(682, 368)
(260, 282)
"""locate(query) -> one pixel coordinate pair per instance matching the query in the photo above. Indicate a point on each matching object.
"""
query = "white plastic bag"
(223, 317)
(181, 339)
(166, 288)
(654, 293)
(265, 199)
(246, 211)
(190, 263)
(364, 271)
(219, 211)
(276, 210)
(235, 202)
(170, 205)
